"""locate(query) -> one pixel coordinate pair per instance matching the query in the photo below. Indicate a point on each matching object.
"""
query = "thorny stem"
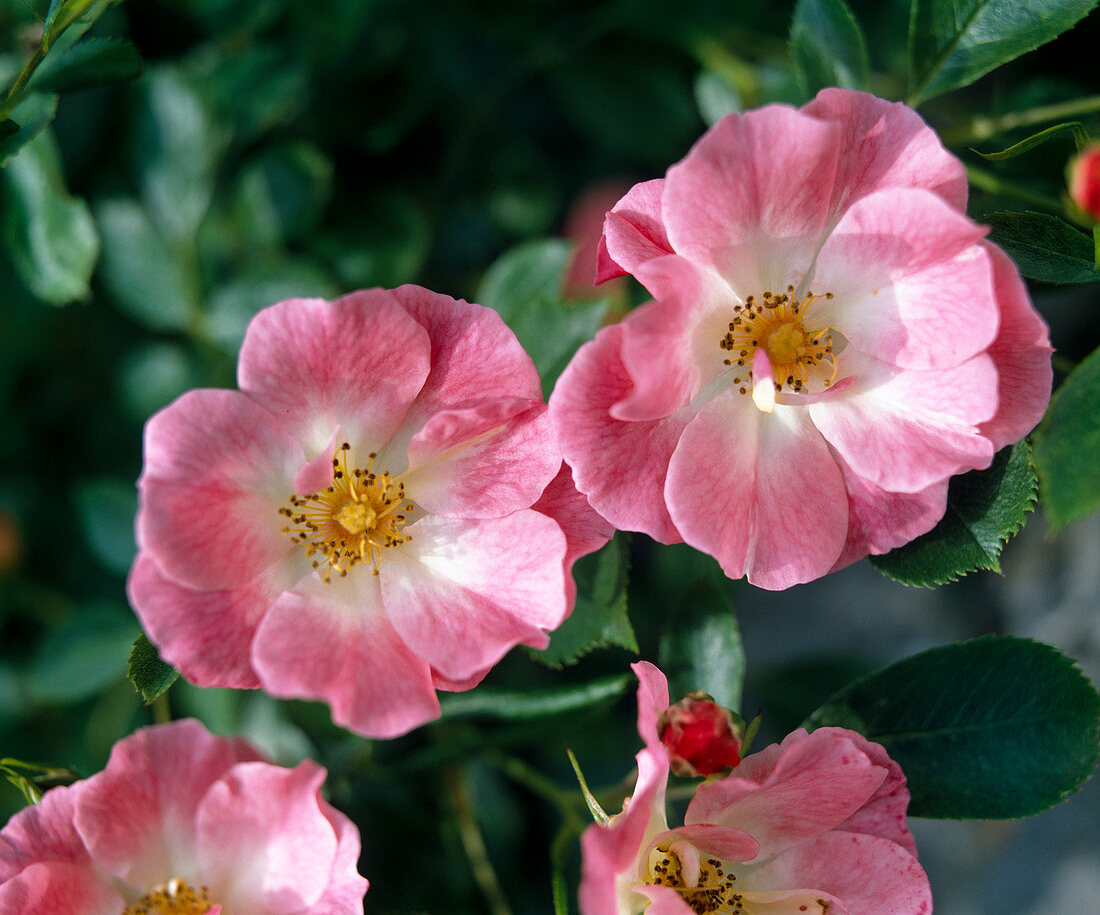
(982, 128)
(473, 842)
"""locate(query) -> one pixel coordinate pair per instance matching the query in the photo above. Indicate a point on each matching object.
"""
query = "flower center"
(707, 885)
(777, 325)
(352, 521)
(711, 890)
(172, 898)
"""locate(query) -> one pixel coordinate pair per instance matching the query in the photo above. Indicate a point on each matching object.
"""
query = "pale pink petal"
(484, 461)
(263, 844)
(612, 855)
(868, 874)
(910, 284)
(751, 199)
(904, 430)
(475, 356)
(217, 469)
(358, 361)
(818, 781)
(44, 832)
(344, 894)
(585, 530)
(1021, 353)
(884, 813)
(886, 144)
(619, 466)
(725, 842)
(334, 642)
(584, 227)
(880, 520)
(670, 347)
(58, 888)
(769, 501)
(137, 816)
(464, 592)
(633, 232)
(459, 684)
(652, 702)
(206, 635)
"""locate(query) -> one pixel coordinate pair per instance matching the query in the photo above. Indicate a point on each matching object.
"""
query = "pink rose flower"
(186, 823)
(831, 341)
(360, 523)
(1084, 182)
(814, 824)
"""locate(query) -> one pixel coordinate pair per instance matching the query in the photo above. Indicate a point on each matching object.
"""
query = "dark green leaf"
(524, 285)
(107, 510)
(993, 728)
(954, 42)
(1067, 446)
(701, 643)
(91, 63)
(599, 618)
(149, 674)
(827, 46)
(29, 117)
(984, 509)
(525, 705)
(50, 235)
(1044, 247)
(147, 278)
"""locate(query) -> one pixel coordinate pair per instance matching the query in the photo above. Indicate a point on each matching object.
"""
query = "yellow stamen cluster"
(713, 892)
(777, 324)
(172, 898)
(352, 521)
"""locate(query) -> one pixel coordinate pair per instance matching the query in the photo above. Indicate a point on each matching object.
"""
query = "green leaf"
(90, 63)
(149, 674)
(524, 285)
(50, 235)
(83, 657)
(1075, 128)
(107, 509)
(984, 509)
(178, 146)
(147, 278)
(598, 813)
(527, 705)
(599, 618)
(1067, 446)
(701, 644)
(1044, 247)
(827, 46)
(993, 728)
(27, 119)
(954, 42)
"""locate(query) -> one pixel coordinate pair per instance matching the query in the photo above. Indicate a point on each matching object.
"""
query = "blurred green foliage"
(176, 165)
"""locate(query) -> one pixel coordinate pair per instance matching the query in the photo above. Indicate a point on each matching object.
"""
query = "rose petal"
(358, 362)
(773, 507)
(619, 466)
(334, 642)
(217, 469)
(464, 592)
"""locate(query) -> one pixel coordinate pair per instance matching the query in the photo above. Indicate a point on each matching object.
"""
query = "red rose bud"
(1084, 182)
(701, 736)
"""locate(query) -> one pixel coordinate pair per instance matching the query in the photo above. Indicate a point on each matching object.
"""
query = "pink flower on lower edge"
(832, 340)
(379, 512)
(814, 824)
(183, 823)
